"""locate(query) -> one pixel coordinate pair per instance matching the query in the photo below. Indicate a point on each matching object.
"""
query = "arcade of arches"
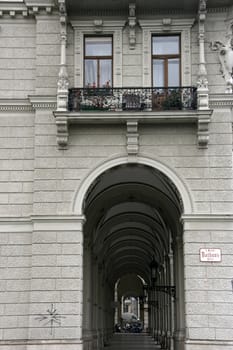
(133, 248)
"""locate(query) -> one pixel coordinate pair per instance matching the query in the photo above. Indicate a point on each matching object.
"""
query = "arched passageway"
(133, 249)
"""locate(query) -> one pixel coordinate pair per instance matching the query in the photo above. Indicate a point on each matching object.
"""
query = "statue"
(226, 59)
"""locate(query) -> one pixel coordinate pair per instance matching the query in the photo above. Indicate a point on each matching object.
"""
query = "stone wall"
(41, 249)
(17, 58)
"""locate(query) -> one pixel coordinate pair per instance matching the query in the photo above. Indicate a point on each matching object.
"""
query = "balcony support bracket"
(62, 131)
(132, 137)
(203, 130)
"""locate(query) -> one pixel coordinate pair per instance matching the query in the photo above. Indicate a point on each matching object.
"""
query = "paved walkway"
(132, 341)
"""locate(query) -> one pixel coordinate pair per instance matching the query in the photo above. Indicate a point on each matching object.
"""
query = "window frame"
(165, 58)
(181, 26)
(97, 58)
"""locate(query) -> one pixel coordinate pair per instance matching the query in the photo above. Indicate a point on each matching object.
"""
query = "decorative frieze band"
(28, 105)
(221, 101)
(43, 102)
(14, 106)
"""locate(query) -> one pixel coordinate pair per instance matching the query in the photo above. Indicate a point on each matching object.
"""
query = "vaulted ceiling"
(132, 216)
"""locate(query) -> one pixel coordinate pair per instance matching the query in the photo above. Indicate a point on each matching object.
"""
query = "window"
(98, 61)
(166, 60)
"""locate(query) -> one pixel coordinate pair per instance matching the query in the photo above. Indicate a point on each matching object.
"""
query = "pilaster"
(202, 82)
(63, 83)
(56, 279)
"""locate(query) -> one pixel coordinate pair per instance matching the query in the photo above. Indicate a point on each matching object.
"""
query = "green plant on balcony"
(172, 100)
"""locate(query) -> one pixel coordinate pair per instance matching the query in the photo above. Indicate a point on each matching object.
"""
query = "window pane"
(165, 45)
(105, 73)
(173, 72)
(158, 73)
(90, 73)
(98, 46)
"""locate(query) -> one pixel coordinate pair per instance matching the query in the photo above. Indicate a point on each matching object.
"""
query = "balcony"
(132, 99)
(132, 106)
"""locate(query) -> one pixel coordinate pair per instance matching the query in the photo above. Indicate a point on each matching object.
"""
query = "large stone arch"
(101, 185)
(181, 186)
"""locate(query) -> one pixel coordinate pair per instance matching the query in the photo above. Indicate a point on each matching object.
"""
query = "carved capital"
(203, 96)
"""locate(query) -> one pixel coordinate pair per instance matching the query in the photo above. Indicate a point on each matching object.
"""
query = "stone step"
(132, 341)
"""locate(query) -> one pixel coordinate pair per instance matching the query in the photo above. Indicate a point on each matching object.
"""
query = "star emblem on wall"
(51, 317)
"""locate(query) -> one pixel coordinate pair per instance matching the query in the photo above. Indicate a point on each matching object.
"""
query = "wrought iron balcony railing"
(132, 99)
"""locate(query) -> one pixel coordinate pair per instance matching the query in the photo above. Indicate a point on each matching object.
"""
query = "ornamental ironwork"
(132, 99)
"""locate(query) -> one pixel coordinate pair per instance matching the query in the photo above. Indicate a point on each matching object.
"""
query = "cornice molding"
(214, 222)
(88, 24)
(40, 342)
(210, 342)
(16, 225)
(58, 222)
(217, 9)
(13, 9)
(178, 23)
(207, 217)
(41, 223)
(26, 8)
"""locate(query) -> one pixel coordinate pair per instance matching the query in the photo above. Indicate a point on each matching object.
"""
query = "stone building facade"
(111, 188)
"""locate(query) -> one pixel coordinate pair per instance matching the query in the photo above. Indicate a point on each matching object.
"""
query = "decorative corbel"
(202, 82)
(63, 83)
(132, 137)
(62, 131)
(226, 58)
(167, 22)
(132, 26)
(98, 25)
(203, 131)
